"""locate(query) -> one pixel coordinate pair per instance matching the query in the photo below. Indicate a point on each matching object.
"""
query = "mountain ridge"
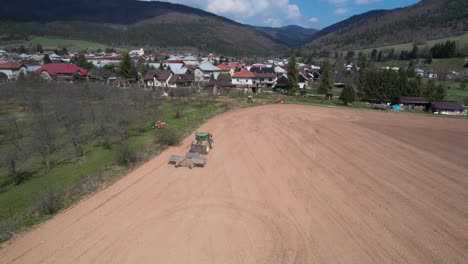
(290, 35)
(425, 20)
(134, 23)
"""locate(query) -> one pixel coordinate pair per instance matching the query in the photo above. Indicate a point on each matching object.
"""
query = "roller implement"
(202, 145)
(189, 160)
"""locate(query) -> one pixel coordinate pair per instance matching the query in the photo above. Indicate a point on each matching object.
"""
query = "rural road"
(285, 184)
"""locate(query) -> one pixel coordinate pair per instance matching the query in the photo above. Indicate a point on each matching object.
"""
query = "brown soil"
(284, 184)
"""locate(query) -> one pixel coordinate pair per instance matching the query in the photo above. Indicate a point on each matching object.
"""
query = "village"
(217, 75)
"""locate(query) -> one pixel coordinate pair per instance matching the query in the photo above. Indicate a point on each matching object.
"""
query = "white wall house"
(243, 78)
(10, 70)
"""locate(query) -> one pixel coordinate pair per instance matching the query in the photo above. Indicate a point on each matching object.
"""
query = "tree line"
(388, 86)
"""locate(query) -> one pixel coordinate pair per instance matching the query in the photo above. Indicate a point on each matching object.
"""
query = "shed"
(414, 103)
(448, 108)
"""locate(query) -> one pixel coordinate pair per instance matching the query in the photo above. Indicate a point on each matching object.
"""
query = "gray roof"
(208, 67)
(190, 58)
(447, 106)
(177, 68)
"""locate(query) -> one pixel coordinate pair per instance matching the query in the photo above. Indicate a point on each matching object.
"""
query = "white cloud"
(341, 10)
(277, 12)
(313, 20)
(273, 22)
(294, 14)
(338, 2)
(365, 2)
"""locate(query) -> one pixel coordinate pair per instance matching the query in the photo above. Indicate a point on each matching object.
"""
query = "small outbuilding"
(448, 108)
(220, 86)
(414, 103)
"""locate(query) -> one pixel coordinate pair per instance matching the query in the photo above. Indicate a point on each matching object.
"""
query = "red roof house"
(61, 71)
(244, 74)
(243, 78)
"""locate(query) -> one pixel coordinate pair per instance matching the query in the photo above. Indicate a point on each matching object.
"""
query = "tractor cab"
(203, 143)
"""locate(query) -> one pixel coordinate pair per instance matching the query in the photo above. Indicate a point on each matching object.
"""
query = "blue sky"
(308, 13)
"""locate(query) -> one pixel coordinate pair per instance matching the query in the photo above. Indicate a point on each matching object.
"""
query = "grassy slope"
(70, 44)
(461, 43)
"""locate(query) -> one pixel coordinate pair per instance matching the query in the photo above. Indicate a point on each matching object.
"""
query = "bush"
(167, 137)
(126, 155)
(348, 95)
(50, 202)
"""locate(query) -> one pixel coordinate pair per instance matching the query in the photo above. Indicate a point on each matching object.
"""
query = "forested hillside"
(132, 23)
(429, 19)
(292, 35)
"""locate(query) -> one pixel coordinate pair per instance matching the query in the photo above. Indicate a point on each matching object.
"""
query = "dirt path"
(285, 184)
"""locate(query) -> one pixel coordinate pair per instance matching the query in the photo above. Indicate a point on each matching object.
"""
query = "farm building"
(220, 86)
(448, 108)
(414, 103)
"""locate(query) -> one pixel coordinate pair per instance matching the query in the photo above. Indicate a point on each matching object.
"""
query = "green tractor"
(203, 143)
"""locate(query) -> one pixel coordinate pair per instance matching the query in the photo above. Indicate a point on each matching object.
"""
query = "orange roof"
(244, 74)
(9, 65)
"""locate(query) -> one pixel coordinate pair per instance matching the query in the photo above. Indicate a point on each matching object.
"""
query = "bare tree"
(70, 114)
(44, 137)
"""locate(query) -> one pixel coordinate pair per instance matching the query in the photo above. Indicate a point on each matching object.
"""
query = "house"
(279, 70)
(10, 70)
(281, 83)
(205, 71)
(37, 57)
(226, 68)
(448, 108)
(176, 68)
(61, 72)
(236, 65)
(303, 81)
(101, 61)
(256, 69)
(180, 80)
(24, 57)
(243, 78)
(220, 86)
(139, 52)
(55, 58)
(158, 78)
(414, 103)
(312, 75)
(265, 80)
(32, 68)
(190, 60)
